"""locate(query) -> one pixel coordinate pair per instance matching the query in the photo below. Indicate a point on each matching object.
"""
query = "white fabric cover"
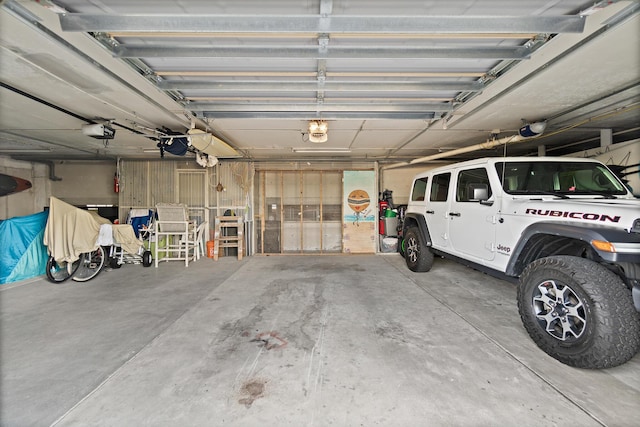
(71, 231)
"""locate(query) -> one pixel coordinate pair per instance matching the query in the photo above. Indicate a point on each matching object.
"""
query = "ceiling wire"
(357, 133)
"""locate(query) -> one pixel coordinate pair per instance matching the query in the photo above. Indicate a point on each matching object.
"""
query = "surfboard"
(12, 184)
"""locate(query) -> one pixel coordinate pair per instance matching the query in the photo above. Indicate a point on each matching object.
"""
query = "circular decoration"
(358, 200)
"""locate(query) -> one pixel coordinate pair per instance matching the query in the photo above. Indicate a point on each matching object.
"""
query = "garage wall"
(84, 183)
(208, 192)
(399, 180)
(92, 182)
(29, 201)
(144, 183)
(80, 183)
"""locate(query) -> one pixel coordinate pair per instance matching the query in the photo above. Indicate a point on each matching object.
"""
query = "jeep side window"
(560, 178)
(473, 185)
(419, 190)
(440, 187)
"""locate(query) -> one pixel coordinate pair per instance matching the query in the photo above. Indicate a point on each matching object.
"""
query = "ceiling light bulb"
(318, 131)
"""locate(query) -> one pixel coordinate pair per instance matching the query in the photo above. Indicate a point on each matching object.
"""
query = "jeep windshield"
(560, 179)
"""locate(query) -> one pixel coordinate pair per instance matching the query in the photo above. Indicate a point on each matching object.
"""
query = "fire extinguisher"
(382, 206)
(116, 183)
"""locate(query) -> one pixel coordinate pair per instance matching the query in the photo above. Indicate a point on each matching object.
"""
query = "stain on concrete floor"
(251, 390)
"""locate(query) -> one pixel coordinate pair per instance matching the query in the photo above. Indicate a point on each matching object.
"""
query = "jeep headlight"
(635, 228)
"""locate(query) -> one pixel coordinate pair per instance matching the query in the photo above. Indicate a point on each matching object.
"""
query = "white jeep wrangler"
(568, 228)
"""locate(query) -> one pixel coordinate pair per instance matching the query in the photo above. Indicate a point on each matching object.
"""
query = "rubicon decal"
(574, 215)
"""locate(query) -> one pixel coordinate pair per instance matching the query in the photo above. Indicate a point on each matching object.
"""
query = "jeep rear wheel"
(417, 255)
(579, 312)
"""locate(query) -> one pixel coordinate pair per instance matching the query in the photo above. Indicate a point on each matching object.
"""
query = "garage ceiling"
(395, 80)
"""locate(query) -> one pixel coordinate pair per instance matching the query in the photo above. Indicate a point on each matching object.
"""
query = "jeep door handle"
(454, 213)
(430, 212)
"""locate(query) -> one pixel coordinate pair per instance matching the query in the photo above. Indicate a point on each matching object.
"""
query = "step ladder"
(224, 238)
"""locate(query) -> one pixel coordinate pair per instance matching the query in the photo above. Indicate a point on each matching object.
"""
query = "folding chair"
(195, 241)
(199, 243)
(178, 231)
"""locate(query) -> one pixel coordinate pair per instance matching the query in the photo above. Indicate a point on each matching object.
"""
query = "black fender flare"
(519, 259)
(418, 220)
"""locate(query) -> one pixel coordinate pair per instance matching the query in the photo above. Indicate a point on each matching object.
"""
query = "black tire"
(579, 312)
(147, 259)
(401, 249)
(418, 256)
(91, 264)
(114, 263)
(59, 272)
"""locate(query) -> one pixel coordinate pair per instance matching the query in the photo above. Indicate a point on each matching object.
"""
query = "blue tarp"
(22, 253)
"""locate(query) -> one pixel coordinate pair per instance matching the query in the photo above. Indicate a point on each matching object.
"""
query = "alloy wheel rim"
(559, 311)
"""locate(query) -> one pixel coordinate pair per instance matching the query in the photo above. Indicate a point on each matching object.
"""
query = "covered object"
(22, 253)
(71, 231)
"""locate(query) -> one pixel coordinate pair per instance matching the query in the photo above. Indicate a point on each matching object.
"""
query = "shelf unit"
(225, 238)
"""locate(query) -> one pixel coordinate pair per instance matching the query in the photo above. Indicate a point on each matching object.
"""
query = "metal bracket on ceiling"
(323, 42)
(106, 40)
(322, 76)
(323, 47)
(326, 7)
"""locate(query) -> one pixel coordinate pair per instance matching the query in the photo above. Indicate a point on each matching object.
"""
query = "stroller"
(126, 251)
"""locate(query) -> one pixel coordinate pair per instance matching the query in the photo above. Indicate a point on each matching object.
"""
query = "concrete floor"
(290, 341)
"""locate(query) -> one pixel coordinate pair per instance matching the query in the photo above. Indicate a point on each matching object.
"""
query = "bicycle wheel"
(59, 272)
(91, 264)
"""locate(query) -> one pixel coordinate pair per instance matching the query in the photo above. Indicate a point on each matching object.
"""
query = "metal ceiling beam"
(321, 24)
(288, 86)
(314, 74)
(334, 36)
(326, 115)
(310, 52)
(334, 107)
(296, 99)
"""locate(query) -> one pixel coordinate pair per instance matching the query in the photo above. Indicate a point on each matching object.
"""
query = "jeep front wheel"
(417, 255)
(578, 312)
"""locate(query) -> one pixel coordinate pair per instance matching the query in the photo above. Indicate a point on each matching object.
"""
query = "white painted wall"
(81, 183)
(29, 201)
(84, 183)
(399, 180)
